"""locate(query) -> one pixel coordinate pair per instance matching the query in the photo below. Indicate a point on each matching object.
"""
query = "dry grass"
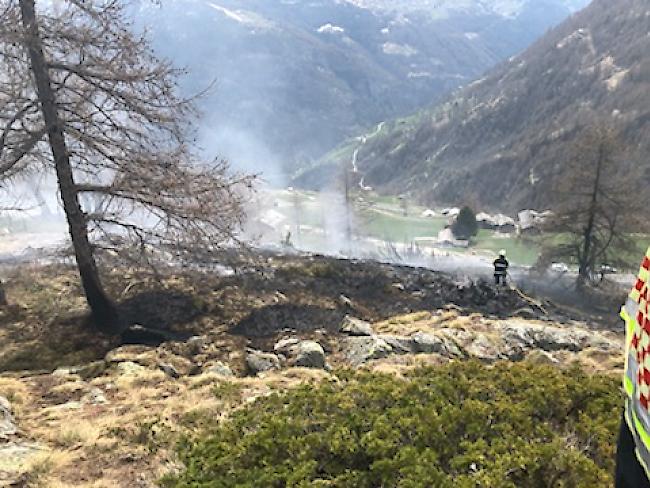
(14, 390)
(428, 322)
(42, 466)
(142, 379)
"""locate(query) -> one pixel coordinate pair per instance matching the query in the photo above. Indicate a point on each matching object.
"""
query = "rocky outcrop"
(303, 354)
(7, 424)
(359, 350)
(309, 354)
(483, 339)
(219, 368)
(154, 358)
(86, 371)
(260, 362)
(355, 327)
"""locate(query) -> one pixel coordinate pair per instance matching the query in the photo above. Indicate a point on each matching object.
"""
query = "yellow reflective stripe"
(631, 325)
(644, 274)
(629, 386)
(635, 295)
(641, 431)
(630, 423)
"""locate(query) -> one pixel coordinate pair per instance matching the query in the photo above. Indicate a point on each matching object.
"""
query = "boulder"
(359, 350)
(430, 344)
(521, 336)
(552, 339)
(86, 371)
(284, 346)
(15, 459)
(356, 327)
(129, 368)
(308, 354)
(399, 344)
(220, 369)
(484, 349)
(345, 302)
(196, 344)
(259, 362)
(150, 358)
(7, 423)
(169, 370)
(94, 397)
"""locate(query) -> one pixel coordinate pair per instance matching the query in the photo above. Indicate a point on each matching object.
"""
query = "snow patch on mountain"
(330, 29)
(394, 49)
(243, 17)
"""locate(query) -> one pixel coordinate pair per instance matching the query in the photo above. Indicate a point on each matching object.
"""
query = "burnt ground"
(47, 324)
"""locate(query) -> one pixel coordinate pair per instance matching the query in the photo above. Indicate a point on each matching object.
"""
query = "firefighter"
(633, 453)
(501, 265)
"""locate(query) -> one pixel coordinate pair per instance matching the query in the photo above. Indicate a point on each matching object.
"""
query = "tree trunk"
(586, 262)
(103, 310)
(3, 295)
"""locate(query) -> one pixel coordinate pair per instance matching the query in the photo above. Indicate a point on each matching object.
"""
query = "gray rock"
(259, 362)
(15, 458)
(551, 339)
(345, 302)
(355, 327)
(284, 345)
(309, 354)
(169, 370)
(518, 336)
(129, 368)
(359, 350)
(86, 371)
(484, 349)
(95, 397)
(219, 368)
(400, 344)
(196, 344)
(429, 344)
(603, 344)
(7, 423)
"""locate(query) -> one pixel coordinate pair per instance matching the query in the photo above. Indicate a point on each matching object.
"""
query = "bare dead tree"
(597, 209)
(83, 97)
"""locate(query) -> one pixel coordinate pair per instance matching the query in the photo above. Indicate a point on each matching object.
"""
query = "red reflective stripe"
(639, 285)
(646, 263)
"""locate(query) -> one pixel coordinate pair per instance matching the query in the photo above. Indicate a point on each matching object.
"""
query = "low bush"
(462, 425)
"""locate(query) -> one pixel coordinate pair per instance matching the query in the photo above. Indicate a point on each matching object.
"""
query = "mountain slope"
(294, 78)
(498, 139)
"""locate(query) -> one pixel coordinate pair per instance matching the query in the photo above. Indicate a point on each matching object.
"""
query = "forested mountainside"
(500, 138)
(295, 78)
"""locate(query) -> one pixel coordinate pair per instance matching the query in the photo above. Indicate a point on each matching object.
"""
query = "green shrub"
(462, 425)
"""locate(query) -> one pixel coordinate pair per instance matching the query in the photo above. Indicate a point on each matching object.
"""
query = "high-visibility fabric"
(636, 381)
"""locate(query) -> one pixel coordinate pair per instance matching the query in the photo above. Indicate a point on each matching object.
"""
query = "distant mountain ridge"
(295, 78)
(438, 8)
(498, 140)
